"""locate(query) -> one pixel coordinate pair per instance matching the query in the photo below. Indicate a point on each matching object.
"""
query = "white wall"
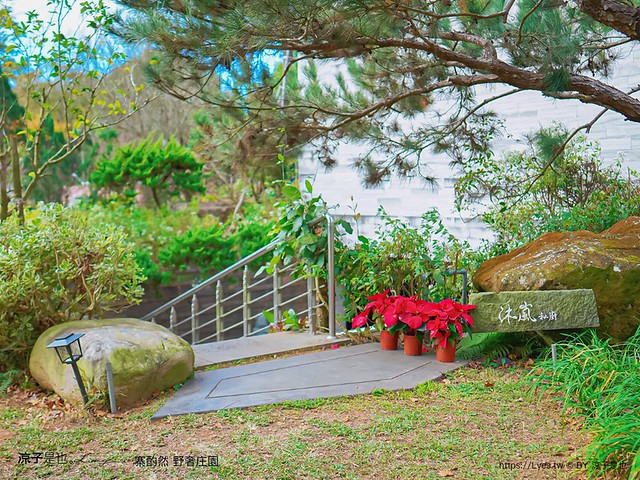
(523, 113)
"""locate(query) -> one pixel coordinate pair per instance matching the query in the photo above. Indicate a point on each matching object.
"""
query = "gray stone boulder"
(607, 263)
(146, 358)
(530, 311)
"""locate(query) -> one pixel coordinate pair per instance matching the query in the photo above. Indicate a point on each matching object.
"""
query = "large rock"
(527, 311)
(608, 263)
(145, 357)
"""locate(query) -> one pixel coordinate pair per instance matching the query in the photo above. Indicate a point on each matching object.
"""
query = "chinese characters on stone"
(523, 314)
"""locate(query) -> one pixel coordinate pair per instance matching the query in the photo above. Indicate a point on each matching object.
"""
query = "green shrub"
(207, 248)
(59, 266)
(527, 193)
(168, 242)
(167, 168)
(151, 230)
(405, 259)
(598, 382)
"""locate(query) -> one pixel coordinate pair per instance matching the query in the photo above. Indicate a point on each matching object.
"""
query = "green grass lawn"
(476, 423)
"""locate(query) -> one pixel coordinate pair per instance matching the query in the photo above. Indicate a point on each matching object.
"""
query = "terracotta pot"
(446, 354)
(388, 341)
(412, 344)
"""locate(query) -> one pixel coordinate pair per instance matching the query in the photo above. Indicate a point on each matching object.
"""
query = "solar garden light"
(69, 350)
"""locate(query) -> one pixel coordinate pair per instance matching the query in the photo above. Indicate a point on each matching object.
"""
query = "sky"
(20, 7)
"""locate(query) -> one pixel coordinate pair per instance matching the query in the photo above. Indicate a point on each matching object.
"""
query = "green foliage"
(208, 248)
(166, 168)
(495, 345)
(11, 109)
(289, 321)
(250, 159)
(61, 95)
(7, 379)
(546, 189)
(301, 231)
(598, 383)
(59, 266)
(151, 230)
(399, 60)
(169, 242)
(405, 259)
(51, 186)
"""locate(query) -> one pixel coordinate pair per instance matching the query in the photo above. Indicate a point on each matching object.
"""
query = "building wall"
(523, 113)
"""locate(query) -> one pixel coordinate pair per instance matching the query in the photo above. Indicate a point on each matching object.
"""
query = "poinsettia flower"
(428, 308)
(443, 320)
(444, 339)
(379, 296)
(414, 321)
(390, 318)
(378, 302)
(458, 326)
(360, 320)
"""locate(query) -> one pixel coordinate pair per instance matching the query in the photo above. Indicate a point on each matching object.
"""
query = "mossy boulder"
(145, 357)
(608, 263)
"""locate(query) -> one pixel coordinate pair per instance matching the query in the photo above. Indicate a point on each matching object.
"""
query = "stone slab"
(331, 373)
(259, 346)
(523, 311)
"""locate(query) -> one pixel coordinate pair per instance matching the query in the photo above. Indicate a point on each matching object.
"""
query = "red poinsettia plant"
(396, 313)
(450, 321)
(444, 321)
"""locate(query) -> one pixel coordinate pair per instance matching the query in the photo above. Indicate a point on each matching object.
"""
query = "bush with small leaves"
(59, 266)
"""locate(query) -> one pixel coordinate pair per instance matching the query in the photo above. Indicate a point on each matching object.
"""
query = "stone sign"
(524, 311)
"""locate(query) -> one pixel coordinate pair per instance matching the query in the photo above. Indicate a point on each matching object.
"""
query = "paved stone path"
(331, 373)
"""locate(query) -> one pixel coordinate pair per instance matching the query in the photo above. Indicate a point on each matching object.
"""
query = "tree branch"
(617, 15)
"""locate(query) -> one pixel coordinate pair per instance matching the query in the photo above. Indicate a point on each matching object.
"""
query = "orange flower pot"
(388, 341)
(412, 345)
(446, 354)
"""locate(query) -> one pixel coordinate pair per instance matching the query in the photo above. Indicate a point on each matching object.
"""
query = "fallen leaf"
(489, 384)
(445, 473)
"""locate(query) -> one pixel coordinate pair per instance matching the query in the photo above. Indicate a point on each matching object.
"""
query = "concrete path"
(259, 346)
(331, 373)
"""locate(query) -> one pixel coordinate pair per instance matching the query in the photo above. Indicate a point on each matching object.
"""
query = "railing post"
(310, 305)
(219, 323)
(195, 336)
(465, 283)
(276, 294)
(246, 298)
(173, 319)
(331, 273)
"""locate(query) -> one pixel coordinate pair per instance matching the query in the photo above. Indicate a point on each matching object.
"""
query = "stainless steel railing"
(191, 317)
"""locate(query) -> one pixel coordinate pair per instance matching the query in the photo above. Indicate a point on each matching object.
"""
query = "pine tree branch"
(617, 15)
(549, 164)
(457, 80)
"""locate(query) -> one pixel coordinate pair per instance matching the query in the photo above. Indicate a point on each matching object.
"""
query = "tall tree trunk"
(322, 299)
(4, 197)
(156, 198)
(17, 180)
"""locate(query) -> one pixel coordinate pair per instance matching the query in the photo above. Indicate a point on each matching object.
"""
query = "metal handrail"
(247, 300)
(465, 283)
(218, 276)
(331, 274)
